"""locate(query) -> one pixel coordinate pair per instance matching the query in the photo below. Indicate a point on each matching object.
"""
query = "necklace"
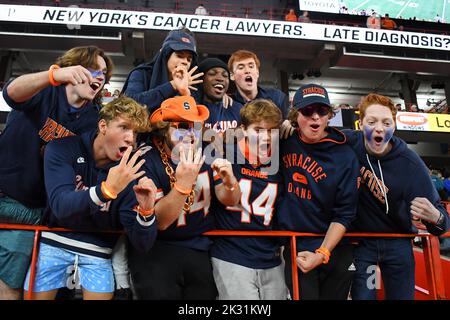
(169, 171)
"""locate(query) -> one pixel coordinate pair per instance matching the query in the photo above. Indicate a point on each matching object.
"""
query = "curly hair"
(129, 109)
(373, 98)
(260, 110)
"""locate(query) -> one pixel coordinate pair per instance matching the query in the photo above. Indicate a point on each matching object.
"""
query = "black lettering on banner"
(61, 15)
(156, 22)
(287, 29)
(49, 14)
(240, 26)
(204, 24)
(297, 30)
(115, 18)
(192, 25)
(127, 18)
(424, 41)
(276, 28)
(266, 27)
(103, 17)
(369, 35)
(142, 20)
(182, 22)
(438, 43)
(228, 26)
(415, 40)
(92, 16)
(215, 24)
(253, 26)
(169, 22)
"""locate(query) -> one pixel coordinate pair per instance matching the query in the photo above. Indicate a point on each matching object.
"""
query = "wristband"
(326, 254)
(143, 212)
(184, 192)
(106, 192)
(52, 80)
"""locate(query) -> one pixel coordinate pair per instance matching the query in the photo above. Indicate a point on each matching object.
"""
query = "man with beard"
(63, 101)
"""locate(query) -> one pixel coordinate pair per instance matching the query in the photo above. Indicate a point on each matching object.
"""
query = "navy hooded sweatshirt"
(149, 83)
(276, 96)
(29, 127)
(75, 201)
(320, 186)
(405, 177)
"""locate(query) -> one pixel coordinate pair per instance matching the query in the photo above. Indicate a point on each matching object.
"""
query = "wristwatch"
(441, 219)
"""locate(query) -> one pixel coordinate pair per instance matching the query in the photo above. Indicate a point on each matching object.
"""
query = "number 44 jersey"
(261, 191)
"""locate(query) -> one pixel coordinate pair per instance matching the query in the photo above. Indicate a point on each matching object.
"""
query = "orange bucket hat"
(180, 108)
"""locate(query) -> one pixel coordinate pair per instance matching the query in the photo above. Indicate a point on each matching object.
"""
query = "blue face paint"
(388, 135)
(96, 73)
(368, 132)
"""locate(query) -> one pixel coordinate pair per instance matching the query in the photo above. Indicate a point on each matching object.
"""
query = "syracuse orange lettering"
(311, 166)
(52, 130)
(254, 173)
(313, 90)
(369, 179)
(303, 193)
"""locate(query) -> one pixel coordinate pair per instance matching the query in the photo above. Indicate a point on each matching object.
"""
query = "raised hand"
(227, 101)
(73, 75)
(193, 78)
(145, 192)
(126, 171)
(188, 167)
(286, 129)
(225, 171)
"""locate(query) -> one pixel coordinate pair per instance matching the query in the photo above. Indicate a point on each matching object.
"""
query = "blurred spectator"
(398, 106)
(438, 182)
(304, 17)
(106, 93)
(291, 16)
(414, 108)
(374, 21)
(438, 18)
(116, 93)
(57, 2)
(388, 23)
(201, 10)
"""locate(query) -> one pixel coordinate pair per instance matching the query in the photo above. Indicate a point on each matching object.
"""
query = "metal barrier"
(431, 253)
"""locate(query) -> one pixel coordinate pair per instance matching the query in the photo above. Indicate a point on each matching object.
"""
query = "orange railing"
(433, 266)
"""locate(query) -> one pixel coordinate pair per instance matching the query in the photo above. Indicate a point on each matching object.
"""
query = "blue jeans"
(395, 258)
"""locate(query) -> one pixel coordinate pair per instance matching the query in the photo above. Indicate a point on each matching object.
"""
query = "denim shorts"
(57, 268)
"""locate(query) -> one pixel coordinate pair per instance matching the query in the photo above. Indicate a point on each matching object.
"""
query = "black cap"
(210, 63)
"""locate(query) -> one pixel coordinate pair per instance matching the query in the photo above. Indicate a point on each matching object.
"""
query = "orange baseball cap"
(180, 108)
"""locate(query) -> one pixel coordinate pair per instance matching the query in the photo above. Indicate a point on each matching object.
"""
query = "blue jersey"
(29, 127)
(221, 119)
(255, 211)
(75, 201)
(187, 230)
(320, 184)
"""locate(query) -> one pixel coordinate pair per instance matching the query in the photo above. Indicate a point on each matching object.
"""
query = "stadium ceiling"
(344, 68)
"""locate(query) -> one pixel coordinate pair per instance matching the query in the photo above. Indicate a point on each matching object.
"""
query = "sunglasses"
(183, 128)
(310, 110)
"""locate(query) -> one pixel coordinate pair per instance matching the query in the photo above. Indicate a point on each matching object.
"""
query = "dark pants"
(396, 261)
(170, 272)
(329, 281)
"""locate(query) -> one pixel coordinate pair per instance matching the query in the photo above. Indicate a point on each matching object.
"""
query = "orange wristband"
(143, 212)
(52, 80)
(184, 192)
(107, 193)
(326, 254)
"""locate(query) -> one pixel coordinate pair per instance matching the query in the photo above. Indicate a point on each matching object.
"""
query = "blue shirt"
(255, 211)
(187, 230)
(75, 201)
(221, 119)
(29, 127)
(320, 186)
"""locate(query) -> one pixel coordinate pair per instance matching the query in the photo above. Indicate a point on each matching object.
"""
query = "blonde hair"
(260, 110)
(129, 109)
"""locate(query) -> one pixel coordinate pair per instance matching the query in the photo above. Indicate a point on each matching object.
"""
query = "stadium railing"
(431, 253)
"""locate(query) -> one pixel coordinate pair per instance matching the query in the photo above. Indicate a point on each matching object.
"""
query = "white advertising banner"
(221, 25)
(419, 121)
(320, 5)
